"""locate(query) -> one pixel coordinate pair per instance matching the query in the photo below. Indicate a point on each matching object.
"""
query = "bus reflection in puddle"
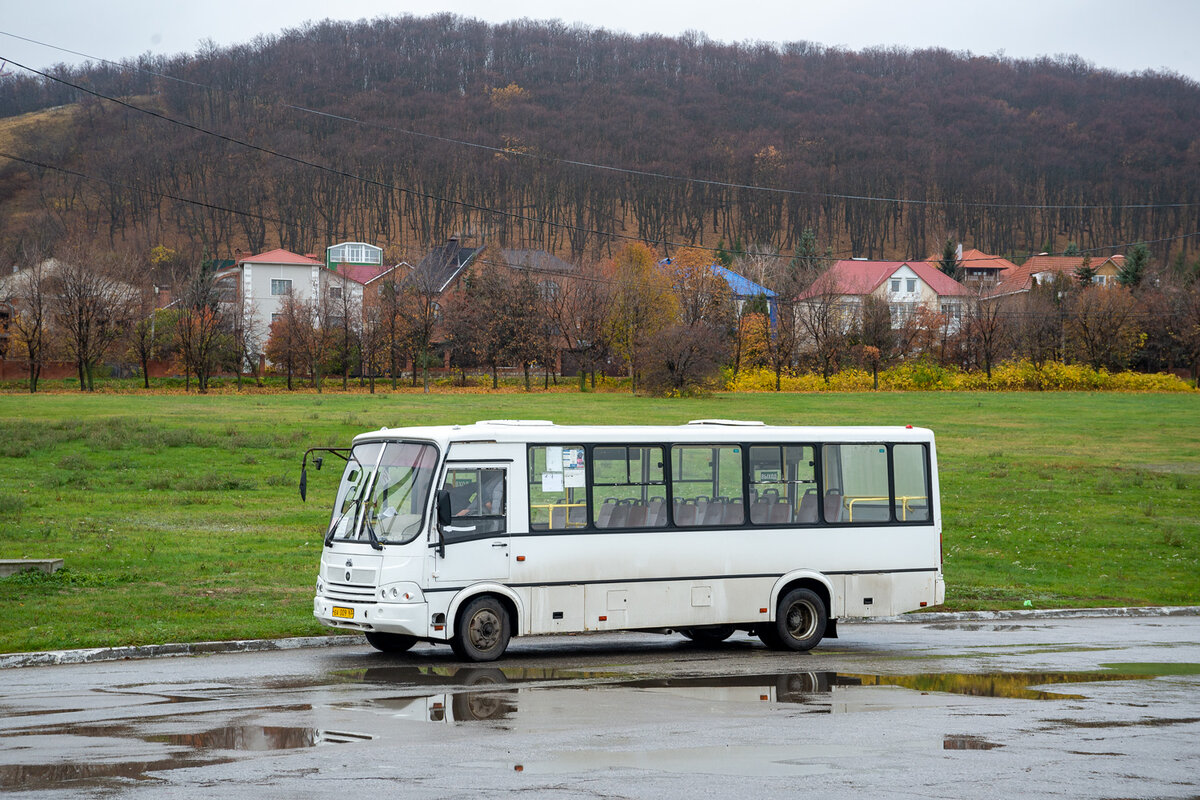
(487, 694)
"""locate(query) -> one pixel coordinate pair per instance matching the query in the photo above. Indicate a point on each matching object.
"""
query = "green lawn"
(179, 519)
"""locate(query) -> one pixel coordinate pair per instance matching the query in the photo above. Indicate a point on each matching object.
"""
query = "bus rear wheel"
(800, 620)
(390, 642)
(483, 630)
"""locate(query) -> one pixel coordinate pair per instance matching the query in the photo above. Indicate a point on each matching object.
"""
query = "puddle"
(1154, 722)
(252, 738)
(493, 698)
(465, 676)
(968, 743)
(990, 627)
(78, 774)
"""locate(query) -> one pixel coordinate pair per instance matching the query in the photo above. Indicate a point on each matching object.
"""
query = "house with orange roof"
(904, 285)
(980, 270)
(1043, 269)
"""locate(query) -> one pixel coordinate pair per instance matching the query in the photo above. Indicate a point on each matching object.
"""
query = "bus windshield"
(384, 492)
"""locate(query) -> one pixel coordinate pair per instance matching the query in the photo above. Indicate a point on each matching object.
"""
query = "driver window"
(477, 498)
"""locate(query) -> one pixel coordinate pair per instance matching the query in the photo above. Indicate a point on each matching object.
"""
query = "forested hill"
(705, 142)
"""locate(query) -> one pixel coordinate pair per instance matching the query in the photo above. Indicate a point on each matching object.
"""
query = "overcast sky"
(1125, 35)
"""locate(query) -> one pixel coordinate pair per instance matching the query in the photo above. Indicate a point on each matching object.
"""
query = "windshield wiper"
(333, 528)
(371, 530)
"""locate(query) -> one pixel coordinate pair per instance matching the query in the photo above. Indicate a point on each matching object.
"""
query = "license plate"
(343, 613)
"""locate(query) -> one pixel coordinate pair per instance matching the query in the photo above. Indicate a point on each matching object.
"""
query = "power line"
(608, 167)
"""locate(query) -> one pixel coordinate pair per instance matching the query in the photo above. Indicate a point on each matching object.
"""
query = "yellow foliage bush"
(1010, 376)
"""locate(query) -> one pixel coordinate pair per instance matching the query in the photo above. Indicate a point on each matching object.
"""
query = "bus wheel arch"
(802, 607)
(484, 623)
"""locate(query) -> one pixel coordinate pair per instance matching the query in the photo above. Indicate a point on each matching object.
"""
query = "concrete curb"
(91, 655)
(98, 654)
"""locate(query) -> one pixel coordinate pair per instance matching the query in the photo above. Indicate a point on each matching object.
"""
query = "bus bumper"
(411, 619)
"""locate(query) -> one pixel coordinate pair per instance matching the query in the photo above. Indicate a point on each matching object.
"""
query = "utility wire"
(608, 167)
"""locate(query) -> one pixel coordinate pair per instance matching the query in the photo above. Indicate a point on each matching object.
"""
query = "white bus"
(470, 535)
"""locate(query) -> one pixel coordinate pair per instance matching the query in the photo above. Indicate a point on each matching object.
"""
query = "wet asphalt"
(1028, 706)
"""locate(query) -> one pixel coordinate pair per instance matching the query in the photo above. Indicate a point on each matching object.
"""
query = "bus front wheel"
(483, 630)
(800, 620)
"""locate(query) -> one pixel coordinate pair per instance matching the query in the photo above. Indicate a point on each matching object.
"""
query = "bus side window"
(911, 477)
(783, 486)
(855, 479)
(557, 487)
(628, 490)
(706, 485)
(476, 500)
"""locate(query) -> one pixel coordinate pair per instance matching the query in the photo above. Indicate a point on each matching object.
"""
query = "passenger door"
(474, 546)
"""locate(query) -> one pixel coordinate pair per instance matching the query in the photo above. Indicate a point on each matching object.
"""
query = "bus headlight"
(401, 593)
(320, 586)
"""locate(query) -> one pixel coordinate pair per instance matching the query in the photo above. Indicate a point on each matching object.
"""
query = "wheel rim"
(801, 620)
(484, 630)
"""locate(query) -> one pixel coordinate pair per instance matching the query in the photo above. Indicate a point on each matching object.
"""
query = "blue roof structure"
(743, 288)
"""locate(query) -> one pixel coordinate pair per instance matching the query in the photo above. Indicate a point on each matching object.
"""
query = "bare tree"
(93, 307)
(578, 309)
(417, 311)
(823, 322)
(986, 332)
(203, 331)
(27, 296)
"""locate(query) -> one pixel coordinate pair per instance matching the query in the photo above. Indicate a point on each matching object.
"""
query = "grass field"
(179, 519)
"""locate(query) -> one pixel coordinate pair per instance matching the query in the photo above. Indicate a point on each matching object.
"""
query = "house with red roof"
(1043, 269)
(904, 285)
(257, 286)
(980, 270)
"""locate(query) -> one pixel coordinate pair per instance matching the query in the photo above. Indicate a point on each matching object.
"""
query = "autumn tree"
(1101, 326)
(642, 306)
(690, 351)
(291, 329)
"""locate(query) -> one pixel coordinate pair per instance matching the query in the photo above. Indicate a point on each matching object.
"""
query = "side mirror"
(304, 483)
(444, 513)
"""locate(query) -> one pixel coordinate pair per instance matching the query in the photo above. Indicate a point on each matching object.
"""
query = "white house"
(258, 285)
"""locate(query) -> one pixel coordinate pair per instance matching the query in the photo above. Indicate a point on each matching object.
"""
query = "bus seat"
(620, 516)
(558, 517)
(781, 512)
(637, 515)
(734, 513)
(685, 513)
(606, 511)
(655, 513)
(760, 512)
(807, 515)
(833, 506)
(713, 512)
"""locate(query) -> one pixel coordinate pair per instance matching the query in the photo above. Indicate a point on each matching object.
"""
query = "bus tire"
(483, 630)
(390, 642)
(800, 620)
